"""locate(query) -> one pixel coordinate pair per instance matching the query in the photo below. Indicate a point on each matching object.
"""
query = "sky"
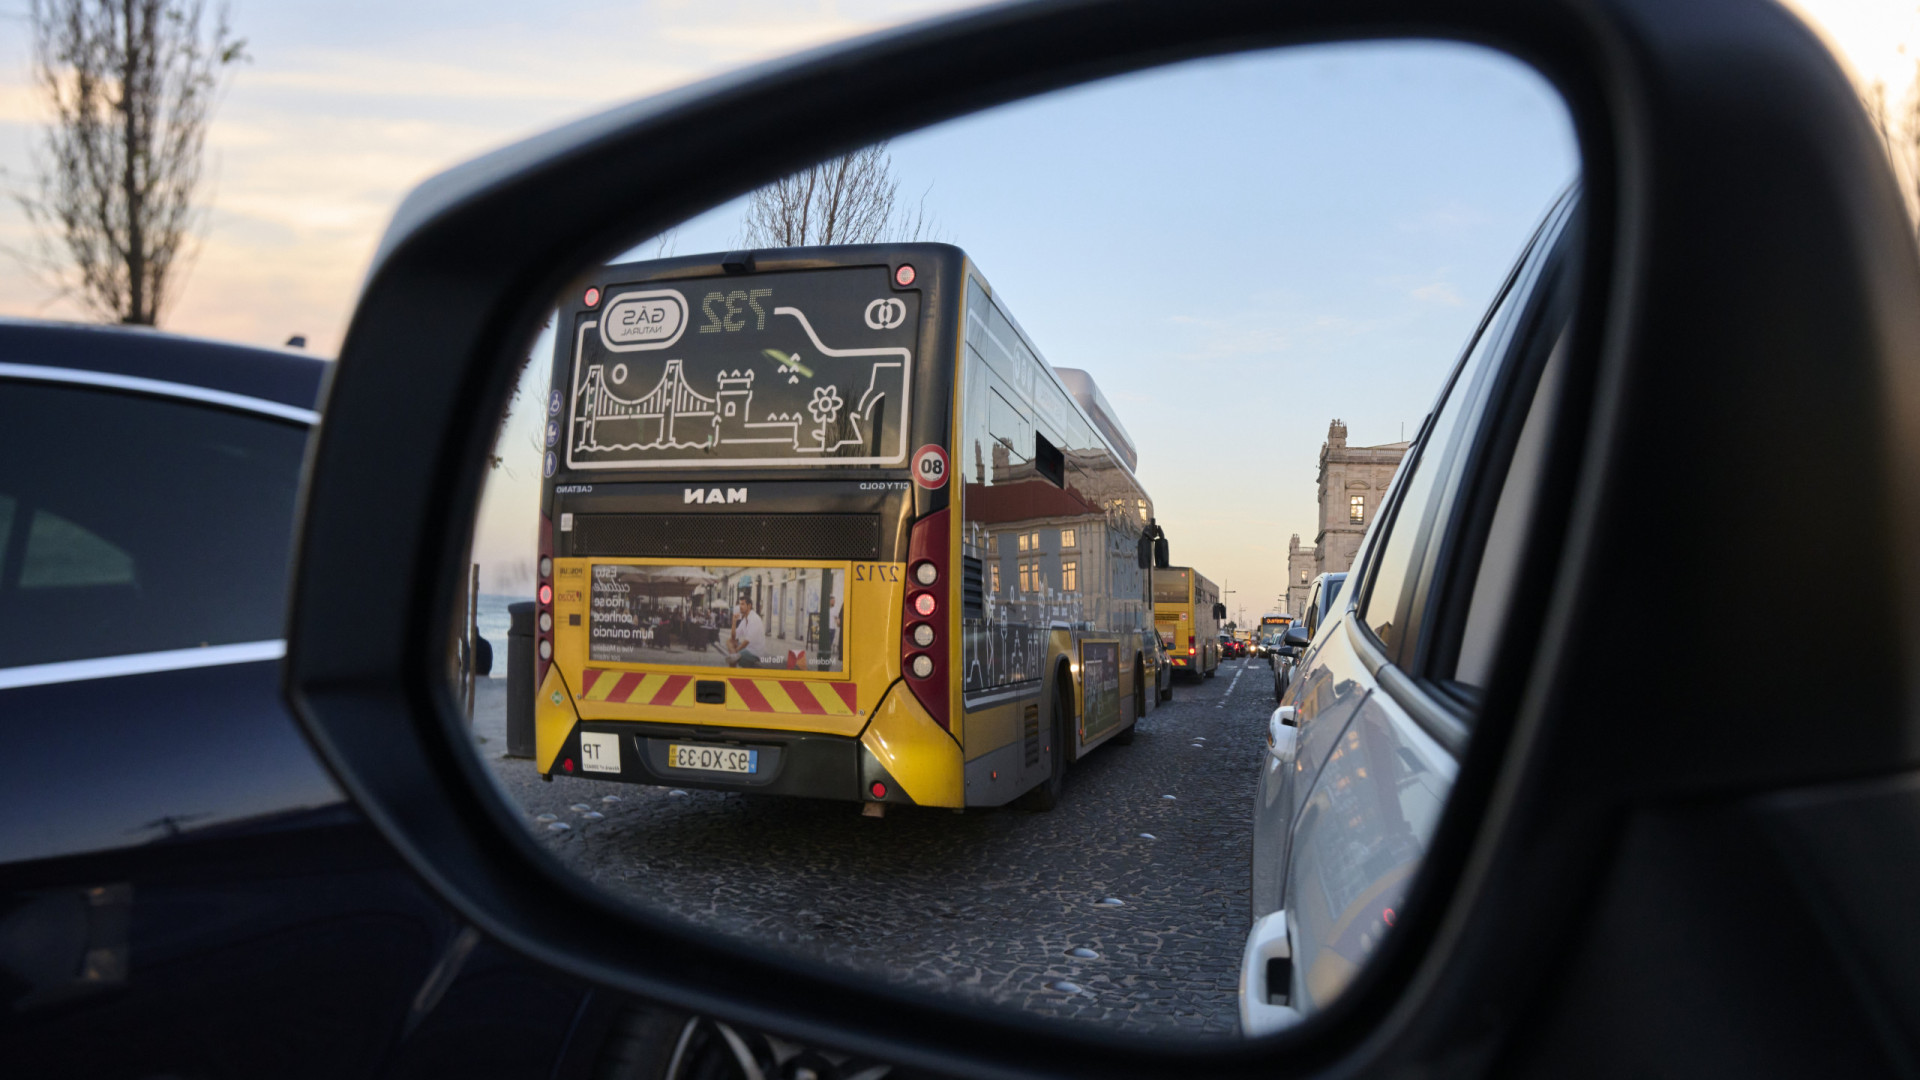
(1238, 251)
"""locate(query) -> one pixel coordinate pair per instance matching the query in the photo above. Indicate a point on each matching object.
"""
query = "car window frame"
(1446, 717)
(1450, 561)
(1496, 319)
(148, 661)
(1469, 457)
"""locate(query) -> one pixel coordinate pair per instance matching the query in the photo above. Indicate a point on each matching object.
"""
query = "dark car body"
(186, 890)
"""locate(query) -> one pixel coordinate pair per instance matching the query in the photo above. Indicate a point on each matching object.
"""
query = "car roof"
(283, 376)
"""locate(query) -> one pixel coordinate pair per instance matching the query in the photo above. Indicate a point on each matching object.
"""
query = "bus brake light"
(593, 297)
(546, 595)
(926, 671)
(903, 277)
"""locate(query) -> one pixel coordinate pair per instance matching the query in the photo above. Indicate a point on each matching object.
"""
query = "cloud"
(1438, 292)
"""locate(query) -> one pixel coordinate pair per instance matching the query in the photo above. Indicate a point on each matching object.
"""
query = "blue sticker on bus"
(553, 402)
(552, 462)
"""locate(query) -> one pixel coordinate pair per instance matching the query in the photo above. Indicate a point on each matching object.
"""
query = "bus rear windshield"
(1171, 589)
(781, 369)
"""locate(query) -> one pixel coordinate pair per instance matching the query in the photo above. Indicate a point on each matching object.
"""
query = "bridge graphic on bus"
(814, 418)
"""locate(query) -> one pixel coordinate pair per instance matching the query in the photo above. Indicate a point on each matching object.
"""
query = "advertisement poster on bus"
(781, 617)
(1100, 684)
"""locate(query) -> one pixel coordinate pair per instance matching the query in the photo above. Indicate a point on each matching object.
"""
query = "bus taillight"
(924, 650)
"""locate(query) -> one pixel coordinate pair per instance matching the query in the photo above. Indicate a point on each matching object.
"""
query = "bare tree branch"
(848, 200)
(131, 85)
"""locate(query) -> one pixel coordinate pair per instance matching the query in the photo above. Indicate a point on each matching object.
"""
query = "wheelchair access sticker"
(930, 467)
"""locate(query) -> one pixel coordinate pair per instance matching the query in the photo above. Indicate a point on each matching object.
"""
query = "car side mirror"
(1282, 735)
(467, 276)
(1297, 637)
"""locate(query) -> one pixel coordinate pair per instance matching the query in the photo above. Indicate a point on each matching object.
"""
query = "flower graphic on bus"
(825, 406)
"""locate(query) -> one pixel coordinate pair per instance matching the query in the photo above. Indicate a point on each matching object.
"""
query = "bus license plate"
(728, 759)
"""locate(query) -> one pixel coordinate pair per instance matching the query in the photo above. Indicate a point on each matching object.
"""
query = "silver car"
(1363, 750)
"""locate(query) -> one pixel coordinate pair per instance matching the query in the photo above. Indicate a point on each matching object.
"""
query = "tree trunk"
(130, 92)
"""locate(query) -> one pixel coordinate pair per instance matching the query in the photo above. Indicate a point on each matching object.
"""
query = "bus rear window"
(769, 369)
(1171, 589)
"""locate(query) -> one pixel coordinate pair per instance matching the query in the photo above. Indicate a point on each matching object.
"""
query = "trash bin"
(520, 688)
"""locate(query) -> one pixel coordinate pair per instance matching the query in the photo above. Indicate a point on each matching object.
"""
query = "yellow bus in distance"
(1187, 613)
(1273, 626)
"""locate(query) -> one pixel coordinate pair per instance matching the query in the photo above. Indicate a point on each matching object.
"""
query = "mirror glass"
(897, 603)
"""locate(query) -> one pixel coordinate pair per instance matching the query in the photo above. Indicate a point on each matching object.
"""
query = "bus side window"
(1009, 430)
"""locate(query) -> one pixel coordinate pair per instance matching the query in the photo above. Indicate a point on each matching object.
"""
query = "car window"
(133, 524)
(1500, 556)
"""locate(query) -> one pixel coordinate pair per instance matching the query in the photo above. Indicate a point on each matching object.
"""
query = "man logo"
(713, 495)
(886, 313)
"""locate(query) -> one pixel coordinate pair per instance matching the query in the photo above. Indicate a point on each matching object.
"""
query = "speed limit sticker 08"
(930, 467)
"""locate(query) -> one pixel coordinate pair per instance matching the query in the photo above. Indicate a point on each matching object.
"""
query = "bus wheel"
(1125, 738)
(1046, 795)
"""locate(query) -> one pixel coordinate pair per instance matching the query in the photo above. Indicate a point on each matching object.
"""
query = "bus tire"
(1125, 737)
(1045, 795)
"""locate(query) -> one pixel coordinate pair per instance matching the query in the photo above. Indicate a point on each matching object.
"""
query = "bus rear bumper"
(901, 756)
(792, 763)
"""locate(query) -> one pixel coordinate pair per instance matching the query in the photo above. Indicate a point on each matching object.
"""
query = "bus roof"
(1086, 393)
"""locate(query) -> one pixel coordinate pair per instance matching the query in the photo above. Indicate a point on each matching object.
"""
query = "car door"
(180, 870)
(1411, 660)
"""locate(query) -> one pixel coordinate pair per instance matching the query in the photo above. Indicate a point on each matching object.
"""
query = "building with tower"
(1353, 482)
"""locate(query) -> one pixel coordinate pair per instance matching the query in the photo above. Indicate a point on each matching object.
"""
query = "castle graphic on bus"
(818, 419)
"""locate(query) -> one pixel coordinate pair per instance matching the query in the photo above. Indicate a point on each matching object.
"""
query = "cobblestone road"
(1014, 907)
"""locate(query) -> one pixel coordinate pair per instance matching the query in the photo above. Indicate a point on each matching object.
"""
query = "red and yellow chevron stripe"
(635, 688)
(794, 696)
